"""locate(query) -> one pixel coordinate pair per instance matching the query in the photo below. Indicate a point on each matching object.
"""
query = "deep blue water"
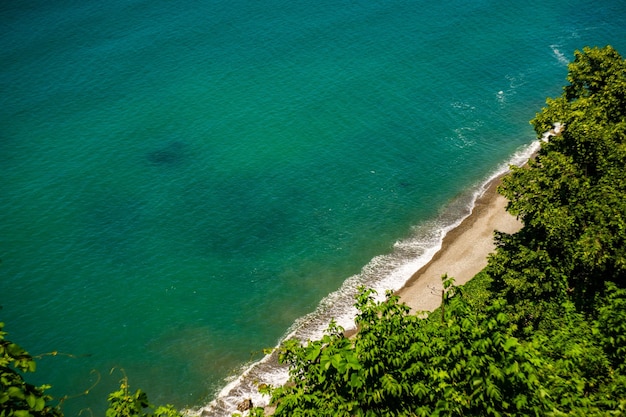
(183, 181)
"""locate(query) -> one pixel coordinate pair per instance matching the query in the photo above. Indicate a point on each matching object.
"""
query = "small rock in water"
(245, 405)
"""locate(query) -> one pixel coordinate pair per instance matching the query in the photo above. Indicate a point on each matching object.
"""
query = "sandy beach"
(463, 253)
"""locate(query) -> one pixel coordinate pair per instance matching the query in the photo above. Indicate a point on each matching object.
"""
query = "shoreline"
(464, 250)
(461, 253)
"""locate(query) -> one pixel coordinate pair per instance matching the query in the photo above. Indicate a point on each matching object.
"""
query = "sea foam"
(384, 272)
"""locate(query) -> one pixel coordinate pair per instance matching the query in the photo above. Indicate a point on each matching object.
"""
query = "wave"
(560, 56)
(385, 272)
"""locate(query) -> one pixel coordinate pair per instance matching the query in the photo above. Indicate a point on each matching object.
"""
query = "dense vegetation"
(546, 333)
(541, 331)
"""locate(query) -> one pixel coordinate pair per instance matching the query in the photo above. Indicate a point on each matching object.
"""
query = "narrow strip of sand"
(463, 253)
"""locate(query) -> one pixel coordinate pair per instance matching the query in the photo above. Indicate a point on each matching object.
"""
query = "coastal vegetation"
(546, 334)
(541, 331)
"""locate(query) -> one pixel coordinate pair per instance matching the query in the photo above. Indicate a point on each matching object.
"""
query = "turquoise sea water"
(183, 183)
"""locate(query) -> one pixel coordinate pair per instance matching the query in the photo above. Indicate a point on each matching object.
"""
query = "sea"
(187, 183)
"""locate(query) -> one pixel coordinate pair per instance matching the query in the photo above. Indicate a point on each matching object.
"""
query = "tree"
(455, 362)
(572, 197)
(124, 403)
(551, 339)
(17, 397)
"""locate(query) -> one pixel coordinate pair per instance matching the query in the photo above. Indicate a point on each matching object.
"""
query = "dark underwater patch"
(172, 154)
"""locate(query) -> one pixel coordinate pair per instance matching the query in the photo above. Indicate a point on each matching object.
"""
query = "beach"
(463, 254)
(464, 251)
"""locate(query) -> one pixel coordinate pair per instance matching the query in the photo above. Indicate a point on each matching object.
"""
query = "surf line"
(390, 274)
(555, 131)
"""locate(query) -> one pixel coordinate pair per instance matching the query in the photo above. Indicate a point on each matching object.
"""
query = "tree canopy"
(548, 336)
(572, 196)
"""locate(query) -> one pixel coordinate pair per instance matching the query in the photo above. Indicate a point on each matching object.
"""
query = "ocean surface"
(185, 183)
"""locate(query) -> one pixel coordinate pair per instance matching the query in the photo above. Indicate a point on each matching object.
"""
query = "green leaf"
(509, 343)
(356, 381)
(313, 354)
(39, 404)
(31, 400)
(16, 392)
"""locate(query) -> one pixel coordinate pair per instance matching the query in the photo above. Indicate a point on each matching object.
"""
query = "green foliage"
(477, 291)
(17, 397)
(456, 362)
(575, 363)
(459, 361)
(544, 330)
(124, 403)
(611, 325)
(598, 73)
(572, 197)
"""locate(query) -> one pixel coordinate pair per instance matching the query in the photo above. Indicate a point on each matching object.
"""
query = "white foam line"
(398, 277)
(559, 55)
(385, 272)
